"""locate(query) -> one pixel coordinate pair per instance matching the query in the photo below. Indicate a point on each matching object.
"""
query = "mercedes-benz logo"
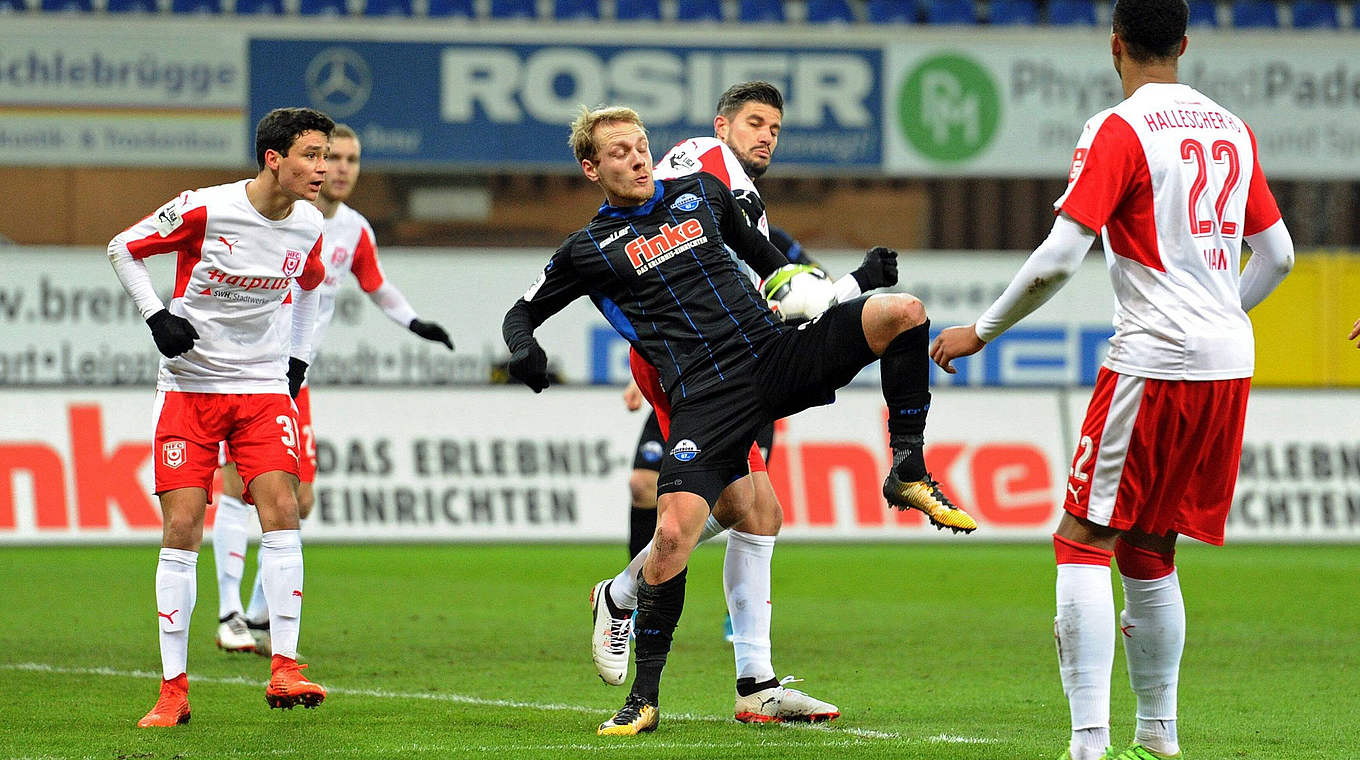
(338, 81)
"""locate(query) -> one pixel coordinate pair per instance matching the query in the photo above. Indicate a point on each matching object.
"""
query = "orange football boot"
(172, 708)
(288, 688)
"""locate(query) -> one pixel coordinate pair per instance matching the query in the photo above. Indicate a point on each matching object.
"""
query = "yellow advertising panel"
(1301, 328)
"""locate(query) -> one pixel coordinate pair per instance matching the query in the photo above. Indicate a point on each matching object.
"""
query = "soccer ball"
(799, 292)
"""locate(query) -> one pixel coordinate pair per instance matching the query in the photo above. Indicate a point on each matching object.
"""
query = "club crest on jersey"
(172, 454)
(685, 450)
(686, 202)
(648, 253)
(292, 261)
(651, 451)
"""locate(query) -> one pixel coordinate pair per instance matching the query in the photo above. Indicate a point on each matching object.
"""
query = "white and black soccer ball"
(799, 292)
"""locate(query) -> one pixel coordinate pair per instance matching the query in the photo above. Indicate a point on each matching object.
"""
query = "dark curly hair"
(282, 126)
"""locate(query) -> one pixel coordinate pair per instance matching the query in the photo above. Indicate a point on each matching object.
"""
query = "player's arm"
(1045, 272)
(177, 226)
(1272, 249)
(878, 270)
(558, 286)
(740, 232)
(387, 296)
(304, 317)
(1355, 333)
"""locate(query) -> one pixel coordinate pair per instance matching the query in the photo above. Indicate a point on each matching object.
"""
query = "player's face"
(342, 169)
(623, 164)
(302, 171)
(752, 133)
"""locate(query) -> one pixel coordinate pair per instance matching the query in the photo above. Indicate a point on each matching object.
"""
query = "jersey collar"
(623, 212)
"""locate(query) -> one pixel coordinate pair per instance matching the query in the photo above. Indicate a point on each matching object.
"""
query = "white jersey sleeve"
(709, 154)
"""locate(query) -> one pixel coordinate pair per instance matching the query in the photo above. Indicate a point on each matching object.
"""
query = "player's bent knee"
(642, 489)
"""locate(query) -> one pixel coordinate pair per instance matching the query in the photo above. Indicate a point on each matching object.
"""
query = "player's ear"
(1185, 41)
(272, 158)
(588, 168)
(720, 126)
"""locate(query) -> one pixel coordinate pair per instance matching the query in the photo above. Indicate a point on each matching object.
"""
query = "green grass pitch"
(935, 651)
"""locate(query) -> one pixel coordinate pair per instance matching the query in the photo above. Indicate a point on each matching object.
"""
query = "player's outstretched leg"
(613, 628)
(172, 707)
(905, 365)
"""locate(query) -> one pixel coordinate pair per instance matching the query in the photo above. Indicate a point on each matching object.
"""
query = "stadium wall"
(415, 446)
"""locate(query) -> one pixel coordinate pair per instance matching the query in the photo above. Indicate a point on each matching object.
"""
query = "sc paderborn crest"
(292, 261)
(172, 454)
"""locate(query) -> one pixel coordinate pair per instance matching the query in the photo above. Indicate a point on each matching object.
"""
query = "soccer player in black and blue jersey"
(653, 262)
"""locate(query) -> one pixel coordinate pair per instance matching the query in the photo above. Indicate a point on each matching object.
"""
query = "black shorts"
(651, 446)
(712, 431)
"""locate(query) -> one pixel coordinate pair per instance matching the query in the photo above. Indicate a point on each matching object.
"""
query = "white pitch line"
(38, 667)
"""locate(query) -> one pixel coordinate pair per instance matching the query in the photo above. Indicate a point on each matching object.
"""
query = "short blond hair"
(582, 139)
(344, 130)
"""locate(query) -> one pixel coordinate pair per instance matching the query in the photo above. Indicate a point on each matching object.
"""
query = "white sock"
(281, 574)
(746, 583)
(623, 591)
(257, 611)
(1085, 631)
(1153, 625)
(229, 552)
(176, 589)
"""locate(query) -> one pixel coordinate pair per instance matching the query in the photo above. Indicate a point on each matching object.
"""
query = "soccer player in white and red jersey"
(746, 131)
(1172, 183)
(349, 249)
(233, 355)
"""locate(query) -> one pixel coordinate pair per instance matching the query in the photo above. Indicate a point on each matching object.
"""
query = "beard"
(753, 170)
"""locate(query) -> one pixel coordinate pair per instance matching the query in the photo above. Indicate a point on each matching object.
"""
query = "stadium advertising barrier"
(506, 104)
(478, 464)
(1011, 107)
(123, 95)
(68, 322)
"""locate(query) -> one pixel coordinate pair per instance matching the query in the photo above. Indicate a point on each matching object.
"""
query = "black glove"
(529, 365)
(297, 372)
(174, 335)
(879, 269)
(431, 331)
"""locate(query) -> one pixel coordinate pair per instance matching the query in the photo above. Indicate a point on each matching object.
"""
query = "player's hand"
(431, 331)
(878, 270)
(173, 335)
(632, 396)
(954, 342)
(297, 372)
(529, 365)
(1355, 332)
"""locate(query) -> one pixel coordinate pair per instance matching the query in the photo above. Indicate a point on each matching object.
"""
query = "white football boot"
(609, 645)
(233, 636)
(778, 704)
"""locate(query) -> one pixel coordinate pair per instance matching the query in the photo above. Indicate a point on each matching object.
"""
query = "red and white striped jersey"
(1172, 182)
(350, 248)
(235, 272)
(709, 154)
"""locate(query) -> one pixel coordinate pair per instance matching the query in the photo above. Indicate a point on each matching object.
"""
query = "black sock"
(641, 526)
(658, 614)
(748, 686)
(905, 371)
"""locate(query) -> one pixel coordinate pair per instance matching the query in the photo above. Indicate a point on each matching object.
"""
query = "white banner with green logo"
(1012, 104)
